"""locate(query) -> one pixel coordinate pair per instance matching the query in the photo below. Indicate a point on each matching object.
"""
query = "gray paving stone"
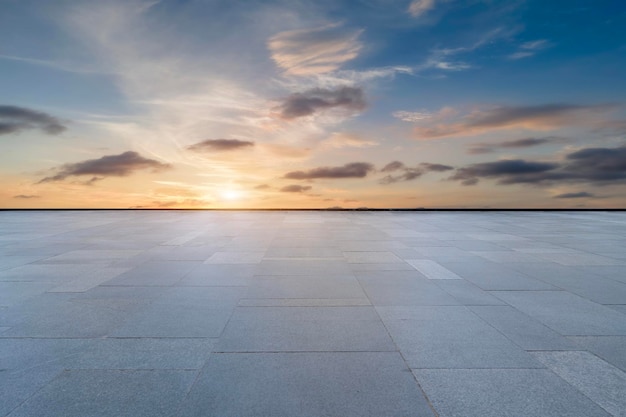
(467, 293)
(273, 329)
(242, 257)
(492, 276)
(75, 318)
(450, 337)
(15, 292)
(598, 380)
(16, 386)
(610, 348)
(306, 384)
(431, 269)
(523, 330)
(304, 302)
(304, 252)
(380, 257)
(302, 267)
(89, 281)
(84, 393)
(503, 392)
(143, 353)
(577, 281)
(305, 287)
(566, 313)
(395, 289)
(159, 273)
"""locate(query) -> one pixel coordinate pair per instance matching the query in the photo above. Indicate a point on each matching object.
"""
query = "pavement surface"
(312, 313)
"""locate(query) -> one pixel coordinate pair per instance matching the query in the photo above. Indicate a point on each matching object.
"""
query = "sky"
(312, 104)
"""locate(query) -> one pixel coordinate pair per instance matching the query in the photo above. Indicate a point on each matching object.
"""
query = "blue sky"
(255, 104)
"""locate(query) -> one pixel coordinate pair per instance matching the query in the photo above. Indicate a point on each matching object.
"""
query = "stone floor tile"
(598, 380)
(431, 269)
(566, 313)
(347, 384)
(523, 330)
(101, 393)
(503, 392)
(610, 348)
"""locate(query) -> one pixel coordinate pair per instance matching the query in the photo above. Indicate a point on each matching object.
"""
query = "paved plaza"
(312, 313)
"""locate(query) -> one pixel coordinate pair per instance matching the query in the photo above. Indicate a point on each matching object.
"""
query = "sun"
(231, 195)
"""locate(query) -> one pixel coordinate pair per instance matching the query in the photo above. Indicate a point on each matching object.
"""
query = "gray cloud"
(219, 145)
(508, 171)
(352, 170)
(435, 167)
(14, 119)
(262, 187)
(408, 173)
(294, 188)
(120, 165)
(393, 166)
(26, 196)
(316, 99)
(482, 148)
(600, 166)
(582, 194)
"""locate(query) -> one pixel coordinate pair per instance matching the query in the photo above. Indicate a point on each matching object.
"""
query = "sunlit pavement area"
(312, 313)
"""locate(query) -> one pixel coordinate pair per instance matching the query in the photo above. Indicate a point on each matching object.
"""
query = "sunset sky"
(312, 104)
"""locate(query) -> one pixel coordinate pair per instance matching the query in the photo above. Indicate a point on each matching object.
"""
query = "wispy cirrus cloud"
(482, 148)
(318, 99)
(418, 8)
(26, 196)
(528, 49)
(314, 51)
(529, 117)
(14, 119)
(351, 170)
(120, 165)
(219, 145)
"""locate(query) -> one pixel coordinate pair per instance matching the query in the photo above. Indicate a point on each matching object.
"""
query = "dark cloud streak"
(351, 170)
(311, 101)
(120, 165)
(14, 119)
(219, 145)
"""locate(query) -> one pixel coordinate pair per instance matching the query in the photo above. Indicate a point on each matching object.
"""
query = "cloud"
(14, 119)
(294, 188)
(316, 99)
(314, 51)
(262, 187)
(533, 117)
(419, 7)
(582, 194)
(26, 197)
(528, 49)
(436, 167)
(600, 166)
(339, 140)
(219, 145)
(481, 148)
(408, 173)
(120, 165)
(508, 171)
(351, 170)
(393, 166)
(411, 116)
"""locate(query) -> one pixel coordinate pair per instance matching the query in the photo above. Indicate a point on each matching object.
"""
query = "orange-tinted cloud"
(534, 117)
